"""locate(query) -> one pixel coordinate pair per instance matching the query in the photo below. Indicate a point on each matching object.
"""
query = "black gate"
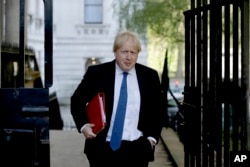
(24, 116)
(216, 91)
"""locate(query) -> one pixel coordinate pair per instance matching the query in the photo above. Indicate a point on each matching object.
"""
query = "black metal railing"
(216, 81)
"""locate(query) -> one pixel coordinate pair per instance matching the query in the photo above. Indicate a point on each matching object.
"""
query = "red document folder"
(96, 112)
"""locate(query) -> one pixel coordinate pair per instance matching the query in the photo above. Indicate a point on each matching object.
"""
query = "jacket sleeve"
(82, 94)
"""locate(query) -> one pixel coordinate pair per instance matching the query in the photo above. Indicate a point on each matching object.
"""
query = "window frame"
(93, 11)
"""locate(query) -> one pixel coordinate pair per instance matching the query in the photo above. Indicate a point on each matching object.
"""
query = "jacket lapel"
(110, 84)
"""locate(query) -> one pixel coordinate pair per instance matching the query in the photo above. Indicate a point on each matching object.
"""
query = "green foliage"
(161, 22)
(163, 19)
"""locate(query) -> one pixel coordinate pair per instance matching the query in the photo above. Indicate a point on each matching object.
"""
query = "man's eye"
(127, 52)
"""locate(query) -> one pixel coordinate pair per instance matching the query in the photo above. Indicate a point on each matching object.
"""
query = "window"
(93, 11)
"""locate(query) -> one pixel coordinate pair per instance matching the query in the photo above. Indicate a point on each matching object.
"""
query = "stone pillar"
(1, 23)
(12, 21)
(1, 31)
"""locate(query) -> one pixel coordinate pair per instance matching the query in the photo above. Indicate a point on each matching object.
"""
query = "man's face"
(126, 56)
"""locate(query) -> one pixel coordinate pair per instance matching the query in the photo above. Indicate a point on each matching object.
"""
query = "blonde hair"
(122, 37)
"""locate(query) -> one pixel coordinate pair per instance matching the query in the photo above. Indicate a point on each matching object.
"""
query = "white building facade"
(83, 34)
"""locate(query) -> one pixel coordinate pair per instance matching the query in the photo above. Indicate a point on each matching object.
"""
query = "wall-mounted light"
(93, 60)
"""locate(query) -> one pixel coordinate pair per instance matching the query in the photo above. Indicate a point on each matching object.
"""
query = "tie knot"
(125, 74)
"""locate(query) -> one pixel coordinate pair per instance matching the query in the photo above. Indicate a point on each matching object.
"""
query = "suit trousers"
(135, 153)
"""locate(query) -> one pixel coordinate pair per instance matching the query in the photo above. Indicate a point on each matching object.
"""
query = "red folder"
(96, 112)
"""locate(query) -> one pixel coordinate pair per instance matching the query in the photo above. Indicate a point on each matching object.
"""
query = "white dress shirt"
(130, 131)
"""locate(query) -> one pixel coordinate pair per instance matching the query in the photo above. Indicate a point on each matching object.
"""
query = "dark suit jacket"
(101, 78)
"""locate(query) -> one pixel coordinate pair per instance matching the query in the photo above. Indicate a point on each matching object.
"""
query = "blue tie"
(116, 136)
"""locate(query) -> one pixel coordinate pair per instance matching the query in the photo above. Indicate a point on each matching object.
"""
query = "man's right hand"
(88, 132)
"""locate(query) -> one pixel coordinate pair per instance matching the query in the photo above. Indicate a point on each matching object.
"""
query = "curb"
(173, 146)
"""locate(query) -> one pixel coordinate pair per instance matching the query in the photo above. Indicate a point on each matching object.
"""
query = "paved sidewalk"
(66, 150)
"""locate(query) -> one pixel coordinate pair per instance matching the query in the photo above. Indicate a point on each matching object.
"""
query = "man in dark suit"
(144, 108)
